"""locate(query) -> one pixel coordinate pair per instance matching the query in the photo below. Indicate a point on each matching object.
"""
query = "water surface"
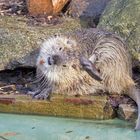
(26, 127)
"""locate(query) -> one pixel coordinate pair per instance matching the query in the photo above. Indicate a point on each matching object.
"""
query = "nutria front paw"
(44, 94)
(41, 96)
(89, 67)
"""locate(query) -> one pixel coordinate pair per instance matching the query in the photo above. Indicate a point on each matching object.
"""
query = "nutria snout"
(54, 60)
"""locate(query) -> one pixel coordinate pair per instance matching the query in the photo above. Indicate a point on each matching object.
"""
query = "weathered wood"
(58, 5)
(38, 7)
(42, 7)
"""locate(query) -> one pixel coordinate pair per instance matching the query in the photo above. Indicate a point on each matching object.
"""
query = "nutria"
(85, 62)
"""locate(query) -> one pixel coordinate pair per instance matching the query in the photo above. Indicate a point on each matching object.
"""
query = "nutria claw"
(89, 67)
(42, 94)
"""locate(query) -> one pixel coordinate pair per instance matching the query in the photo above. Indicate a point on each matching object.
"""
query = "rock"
(95, 107)
(127, 112)
(87, 10)
(19, 42)
(13, 7)
(37, 7)
(123, 17)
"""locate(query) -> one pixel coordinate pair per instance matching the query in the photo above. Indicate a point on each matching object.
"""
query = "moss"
(18, 39)
(123, 18)
(59, 107)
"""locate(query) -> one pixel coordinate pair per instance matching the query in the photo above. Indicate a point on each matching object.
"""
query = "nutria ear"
(71, 43)
(89, 67)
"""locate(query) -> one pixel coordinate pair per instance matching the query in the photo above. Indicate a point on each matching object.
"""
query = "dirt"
(18, 81)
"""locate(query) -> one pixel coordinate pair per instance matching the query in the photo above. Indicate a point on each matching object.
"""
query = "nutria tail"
(135, 95)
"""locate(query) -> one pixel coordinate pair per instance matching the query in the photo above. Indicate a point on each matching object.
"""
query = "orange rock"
(42, 62)
(38, 7)
(58, 5)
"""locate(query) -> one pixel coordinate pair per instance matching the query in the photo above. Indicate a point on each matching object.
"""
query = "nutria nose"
(54, 60)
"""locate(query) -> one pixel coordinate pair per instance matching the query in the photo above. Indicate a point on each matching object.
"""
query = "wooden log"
(39, 7)
(49, 7)
(58, 5)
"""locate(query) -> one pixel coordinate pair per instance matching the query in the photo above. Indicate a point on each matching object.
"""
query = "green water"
(23, 127)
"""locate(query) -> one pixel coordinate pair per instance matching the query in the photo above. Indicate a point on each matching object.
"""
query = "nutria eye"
(60, 49)
(64, 66)
(74, 66)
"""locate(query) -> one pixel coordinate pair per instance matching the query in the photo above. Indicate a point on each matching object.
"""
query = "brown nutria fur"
(60, 71)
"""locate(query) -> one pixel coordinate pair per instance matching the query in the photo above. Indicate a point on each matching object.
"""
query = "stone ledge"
(94, 107)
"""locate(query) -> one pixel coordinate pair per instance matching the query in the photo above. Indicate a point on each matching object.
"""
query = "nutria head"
(58, 65)
(58, 59)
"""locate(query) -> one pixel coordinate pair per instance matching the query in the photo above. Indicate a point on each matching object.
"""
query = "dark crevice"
(66, 7)
(136, 75)
(19, 80)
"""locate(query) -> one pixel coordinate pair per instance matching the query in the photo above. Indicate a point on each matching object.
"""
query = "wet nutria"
(86, 62)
